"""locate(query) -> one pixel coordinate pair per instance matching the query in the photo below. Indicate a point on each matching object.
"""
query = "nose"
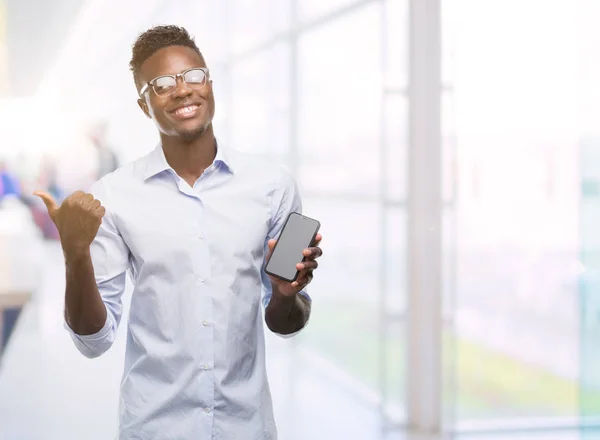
(181, 88)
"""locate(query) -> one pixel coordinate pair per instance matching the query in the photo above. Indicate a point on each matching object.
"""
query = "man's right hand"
(77, 219)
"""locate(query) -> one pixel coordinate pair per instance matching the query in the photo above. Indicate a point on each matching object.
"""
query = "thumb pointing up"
(49, 201)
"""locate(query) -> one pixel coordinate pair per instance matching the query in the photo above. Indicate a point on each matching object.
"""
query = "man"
(194, 223)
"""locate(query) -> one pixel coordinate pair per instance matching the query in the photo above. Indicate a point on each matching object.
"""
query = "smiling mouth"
(186, 112)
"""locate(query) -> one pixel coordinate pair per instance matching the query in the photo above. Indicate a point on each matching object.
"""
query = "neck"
(190, 159)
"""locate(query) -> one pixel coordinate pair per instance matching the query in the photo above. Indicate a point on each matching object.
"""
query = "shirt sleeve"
(110, 259)
(285, 199)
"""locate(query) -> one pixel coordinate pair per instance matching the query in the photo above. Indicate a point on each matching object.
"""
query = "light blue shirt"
(195, 356)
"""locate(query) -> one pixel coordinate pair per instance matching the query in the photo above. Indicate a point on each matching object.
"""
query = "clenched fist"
(77, 219)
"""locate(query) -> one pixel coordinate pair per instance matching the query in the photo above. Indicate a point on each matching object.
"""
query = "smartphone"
(298, 233)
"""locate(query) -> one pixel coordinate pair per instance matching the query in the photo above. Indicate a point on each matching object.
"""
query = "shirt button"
(201, 236)
(201, 280)
(205, 323)
(205, 367)
(207, 410)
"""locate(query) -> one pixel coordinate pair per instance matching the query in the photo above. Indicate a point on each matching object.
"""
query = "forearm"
(85, 312)
(286, 315)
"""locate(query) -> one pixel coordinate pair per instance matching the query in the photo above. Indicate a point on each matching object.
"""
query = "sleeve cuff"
(291, 335)
(98, 336)
(305, 294)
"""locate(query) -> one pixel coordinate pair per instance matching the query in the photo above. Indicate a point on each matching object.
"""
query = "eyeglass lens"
(166, 84)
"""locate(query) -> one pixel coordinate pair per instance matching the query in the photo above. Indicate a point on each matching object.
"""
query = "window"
(344, 325)
(260, 115)
(589, 145)
(309, 10)
(516, 292)
(340, 105)
(252, 22)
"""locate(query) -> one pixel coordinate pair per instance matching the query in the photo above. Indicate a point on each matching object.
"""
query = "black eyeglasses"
(166, 84)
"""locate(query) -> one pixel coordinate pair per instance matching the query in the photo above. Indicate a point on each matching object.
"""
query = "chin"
(193, 134)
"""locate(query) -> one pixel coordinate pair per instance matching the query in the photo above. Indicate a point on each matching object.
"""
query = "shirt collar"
(157, 162)
(222, 158)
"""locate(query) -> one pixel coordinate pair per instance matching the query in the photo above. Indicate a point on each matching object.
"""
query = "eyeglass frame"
(146, 86)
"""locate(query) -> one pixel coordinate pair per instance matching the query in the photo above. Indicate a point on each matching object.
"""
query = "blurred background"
(450, 149)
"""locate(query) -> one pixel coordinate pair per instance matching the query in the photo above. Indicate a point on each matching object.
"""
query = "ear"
(142, 103)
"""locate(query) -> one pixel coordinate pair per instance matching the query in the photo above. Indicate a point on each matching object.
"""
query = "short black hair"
(155, 39)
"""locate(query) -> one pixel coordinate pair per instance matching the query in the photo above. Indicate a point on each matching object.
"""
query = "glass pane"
(516, 316)
(340, 105)
(259, 113)
(394, 265)
(450, 28)
(350, 298)
(589, 110)
(449, 262)
(589, 74)
(449, 338)
(252, 22)
(396, 139)
(449, 165)
(396, 44)
(348, 286)
(393, 387)
(210, 35)
(449, 377)
(517, 253)
(590, 280)
(315, 9)
(393, 342)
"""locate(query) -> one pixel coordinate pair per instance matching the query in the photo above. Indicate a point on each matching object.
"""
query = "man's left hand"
(306, 268)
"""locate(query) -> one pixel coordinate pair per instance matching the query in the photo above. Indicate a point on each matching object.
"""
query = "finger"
(94, 204)
(312, 252)
(76, 195)
(310, 264)
(299, 284)
(49, 201)
(318, 239)
(101, 210)
(86, 198)
(303, 281)
(270, 247)
(304, 275)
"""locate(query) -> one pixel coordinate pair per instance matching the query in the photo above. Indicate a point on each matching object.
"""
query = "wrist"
(76, 254)
(283, 297)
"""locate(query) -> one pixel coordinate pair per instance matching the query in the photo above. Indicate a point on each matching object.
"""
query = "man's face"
(167, 111)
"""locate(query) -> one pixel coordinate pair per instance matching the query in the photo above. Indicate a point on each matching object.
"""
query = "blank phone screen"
(296, 236)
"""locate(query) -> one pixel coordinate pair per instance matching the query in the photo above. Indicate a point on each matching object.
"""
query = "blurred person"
(107, 159)
(46, 178)
(194, 223)
(9, 182)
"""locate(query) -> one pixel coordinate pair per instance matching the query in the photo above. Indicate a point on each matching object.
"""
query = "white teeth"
(186, 110)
